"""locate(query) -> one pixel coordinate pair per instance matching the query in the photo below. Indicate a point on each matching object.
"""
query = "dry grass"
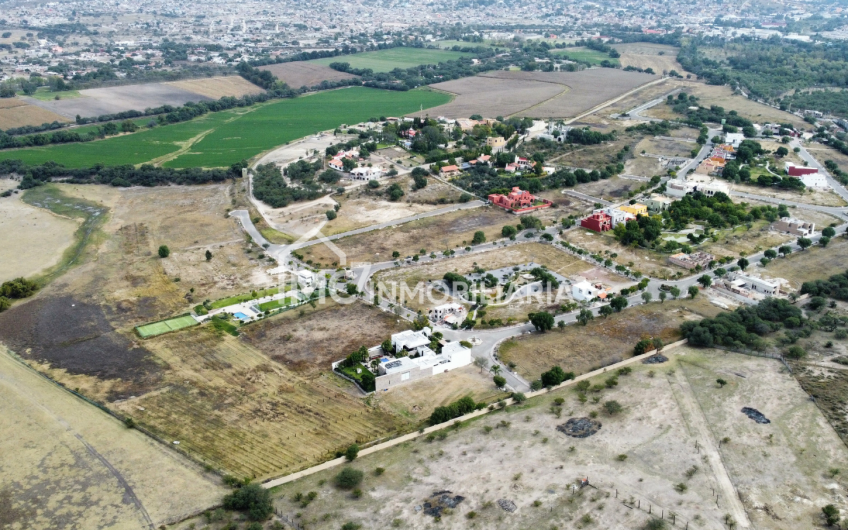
(433, 234)
(733, 242)
(664, 147)
(308, 344)
(31, 239)
(613, 189)
(603, 341)
(218, 87)
(16, 113)
(417, 400)
(58, 477)
(642, 260)
(823, 152)
(301, 73)
(815, 263)
(809, 195)
(646, 55)
(234, 407)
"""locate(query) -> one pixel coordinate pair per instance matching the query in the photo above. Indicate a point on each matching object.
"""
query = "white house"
(815, 180)
(734, 139)
(758, 285)
(584, 291)
(305, 279)
(617, 216)
(366, 173)
(410, 340)
(336, 164)
(441, 312)
(405, 369)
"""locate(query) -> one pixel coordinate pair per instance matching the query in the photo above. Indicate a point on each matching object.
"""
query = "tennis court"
(165, 326)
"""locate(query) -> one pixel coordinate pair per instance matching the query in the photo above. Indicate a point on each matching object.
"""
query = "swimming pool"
(241, 316)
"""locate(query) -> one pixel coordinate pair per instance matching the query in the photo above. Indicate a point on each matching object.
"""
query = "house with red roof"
(597, 222)
(519, 201)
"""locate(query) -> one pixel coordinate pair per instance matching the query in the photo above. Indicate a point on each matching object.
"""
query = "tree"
(253, 499)
(164, 251)
(508, 231)
(585, 316)
(824, 240)
(606, 310)
(618, 303)
(208, 255)
(646, 296)
(675, 292)
(831, 514)
(387, 347)
(496, 369)
(693, 291)
(770, 253)
(395, 254)
(420, 181)
(555, 376)
(781, 151)
(331, 214)
(804, 242)
(796, 352)
(828, 231)
(613, 407)
(705, 281)
(785, 250)
(348, 478)
(657, 343)
(743, 263)
(482, 363)
(721, 382)
(500, 382)
(543, 321)
(663, 296)
(561, 325)
(352, 452)
(479, 237)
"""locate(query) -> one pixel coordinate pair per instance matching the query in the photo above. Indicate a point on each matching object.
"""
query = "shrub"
(454, 410)
(350, 525)
(253, 499)
(555, 376)
(379, 471)
(796, 352)
(164, 251)
(500, 382)
(831, 514)
(348, 478)
(331, 214)
(613, 407)
(352, 452)
(519, 397)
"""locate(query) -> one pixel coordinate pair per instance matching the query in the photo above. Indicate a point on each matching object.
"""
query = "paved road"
(587, 198)
(636, 113)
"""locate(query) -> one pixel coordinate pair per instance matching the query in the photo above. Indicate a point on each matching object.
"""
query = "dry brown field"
(815, 263)
(613, 189)
(723, 97)
(647, 55)
(434, 234)
(823, 152)
(581, 349)
(31, 239)
(536, 94)
(68, 464)
(301, 73)
(519, 456)
(664, 147)
(218, 87)
(17, 113)
(808, 196)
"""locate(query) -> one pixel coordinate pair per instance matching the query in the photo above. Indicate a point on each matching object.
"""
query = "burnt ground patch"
(580, 427)
(76, 337)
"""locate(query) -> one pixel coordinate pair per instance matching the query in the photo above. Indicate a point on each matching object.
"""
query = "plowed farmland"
(301, 73)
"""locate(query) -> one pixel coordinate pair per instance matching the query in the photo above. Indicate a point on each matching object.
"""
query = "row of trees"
(834, 287)
(15, 290)
(270, 187)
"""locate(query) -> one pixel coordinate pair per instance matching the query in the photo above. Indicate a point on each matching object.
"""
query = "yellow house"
(634, 209)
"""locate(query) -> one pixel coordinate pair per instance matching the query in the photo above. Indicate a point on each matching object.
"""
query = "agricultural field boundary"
(471, 415)
(616, 99)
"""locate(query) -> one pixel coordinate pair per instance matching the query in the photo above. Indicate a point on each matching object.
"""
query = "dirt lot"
(75, 466)
(536, 94)
(823, 152)
(299, 74)
(518, 456)
(809, 195)
(218, 87)
(98, 101)
(646, 55)
(433, 234)
(31, 239)
(603, 341)
(613, 189)
(308, 345)
(723, 97)
(417, 400)
(815, 263)
(664, 147)
(17, 113)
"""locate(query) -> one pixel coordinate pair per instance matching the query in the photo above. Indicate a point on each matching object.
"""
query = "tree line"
(270, 187)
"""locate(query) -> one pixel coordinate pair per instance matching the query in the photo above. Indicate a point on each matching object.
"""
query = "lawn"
(584, 55)
(276, 304)
(232, 300)
(165, 326)
(45, 94)
(388, 60)
(223, 138)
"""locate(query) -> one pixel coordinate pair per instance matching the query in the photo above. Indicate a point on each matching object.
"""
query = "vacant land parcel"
(537, 94)
(516, 470)
(69, 461)
(302, 73)
(223, 138)
(218, 87)
(659, 57)
(388, 60)
(15, 112)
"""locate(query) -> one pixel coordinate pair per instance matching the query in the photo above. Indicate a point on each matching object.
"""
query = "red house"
(598, 222)
(799, 171)
(519, 201)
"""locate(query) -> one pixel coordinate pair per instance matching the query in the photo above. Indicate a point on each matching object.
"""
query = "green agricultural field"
(45, 94)
(224, 302)
(222, 138)
(388, 60)
(165, 326)
(585, 55)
